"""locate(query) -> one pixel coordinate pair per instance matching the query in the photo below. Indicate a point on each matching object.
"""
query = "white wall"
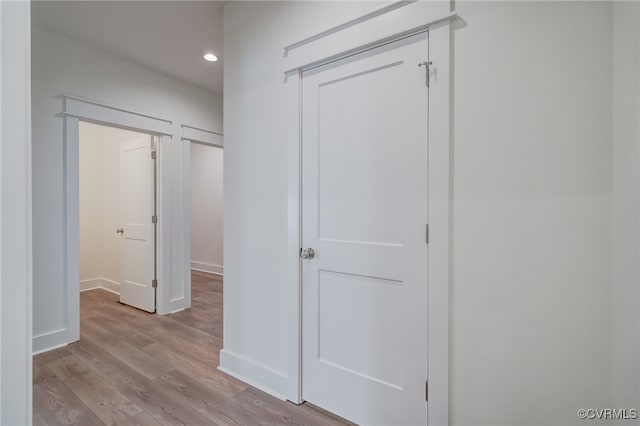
(531, 314)
(255, 180)
(62, 65)
(626, 210)
(15, 215)
(206, 208)
(90, 193)
(100, 216)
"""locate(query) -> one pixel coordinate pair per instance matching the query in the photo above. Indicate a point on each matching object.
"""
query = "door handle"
(120, 231)
(307, 253)
(427, 68)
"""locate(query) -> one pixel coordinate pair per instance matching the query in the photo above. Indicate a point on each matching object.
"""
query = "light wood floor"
(134, 368)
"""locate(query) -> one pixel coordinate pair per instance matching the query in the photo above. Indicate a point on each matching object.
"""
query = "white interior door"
(364, 214)
(137, 194)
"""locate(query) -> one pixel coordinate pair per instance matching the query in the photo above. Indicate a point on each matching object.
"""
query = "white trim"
(101, 288)
(112, 286)
(185, 301)
(350, 23)
(438, 211)
(89, 110)
(264, 378)
(371, 45)
(29, 191)
(364, 34)
(50, 340)
(100, 283)
(71, 241)
(294, 243)
(164, 238)
(393, 25)
(16, 259)
(76, 109)
(90, 284)
(206, 137)
(62, 345)
(207, 267)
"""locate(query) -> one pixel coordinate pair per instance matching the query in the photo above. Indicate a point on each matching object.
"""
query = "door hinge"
(154, 219)
(154, 155)
(154, 283)
(426, 233)
(426, 390)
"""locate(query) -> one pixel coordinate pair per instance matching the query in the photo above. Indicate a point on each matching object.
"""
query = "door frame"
(192, 135)
(76, 109)
(16, 254)
(359, 34)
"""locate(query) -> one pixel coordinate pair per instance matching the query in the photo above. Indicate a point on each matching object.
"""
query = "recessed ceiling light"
(210, 57)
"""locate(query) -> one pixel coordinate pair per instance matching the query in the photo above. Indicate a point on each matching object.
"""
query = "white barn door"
(364, 191)
(137, 194)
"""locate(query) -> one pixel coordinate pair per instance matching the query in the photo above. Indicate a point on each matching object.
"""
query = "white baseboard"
(58, 338)
(62, 345)
(207, 267)
(112, 286)
(90, 284)
(101, 283)
(49, 341)
(253, 373)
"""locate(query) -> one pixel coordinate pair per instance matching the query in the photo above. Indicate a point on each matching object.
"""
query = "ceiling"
(168, 36)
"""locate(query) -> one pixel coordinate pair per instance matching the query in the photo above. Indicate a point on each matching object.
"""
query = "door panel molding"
(364, 209)
(137, 206)
(354, 38)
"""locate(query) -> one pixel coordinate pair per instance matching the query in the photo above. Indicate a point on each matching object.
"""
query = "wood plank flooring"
(134, 368)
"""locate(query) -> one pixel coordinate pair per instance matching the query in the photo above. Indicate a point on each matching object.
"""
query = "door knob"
(307, 253)
(120, 231)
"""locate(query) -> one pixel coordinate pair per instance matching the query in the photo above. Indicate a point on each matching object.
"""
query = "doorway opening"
(118, 213)
(203, 219)
(173, 291)
(206, 213)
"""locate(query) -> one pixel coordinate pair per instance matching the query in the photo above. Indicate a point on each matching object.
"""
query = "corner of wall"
(254, 373)
(16, 215)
